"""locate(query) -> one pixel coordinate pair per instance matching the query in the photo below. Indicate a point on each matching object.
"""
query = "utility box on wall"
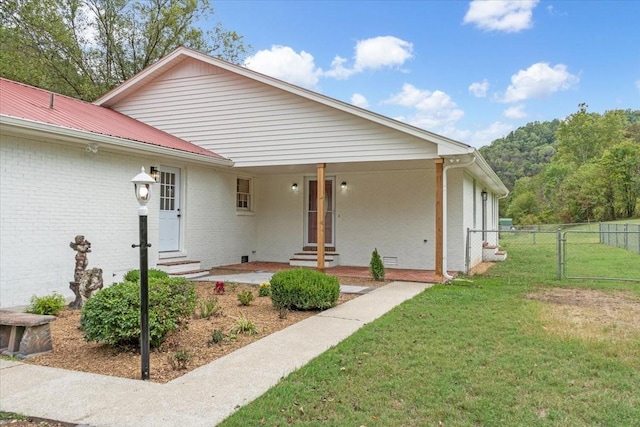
(244, 258)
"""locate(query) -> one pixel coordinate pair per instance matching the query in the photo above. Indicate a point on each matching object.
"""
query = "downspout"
(445, 205)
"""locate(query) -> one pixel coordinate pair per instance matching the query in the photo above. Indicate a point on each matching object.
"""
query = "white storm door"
(169, 240)
(311, 214)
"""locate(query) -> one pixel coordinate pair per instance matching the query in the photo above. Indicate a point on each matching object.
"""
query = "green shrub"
(152, 274)
(112, 315)
(264, 290)
(304, 289)
(49, 304)
(217, 336)
(376, 267)
(242, 325)
(179, 360)
(245, 297)
(207, 308)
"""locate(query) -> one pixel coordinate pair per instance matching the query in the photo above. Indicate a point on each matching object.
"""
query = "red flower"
(219, 288)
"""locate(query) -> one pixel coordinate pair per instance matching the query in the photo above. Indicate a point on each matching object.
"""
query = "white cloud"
(510, 16)
(434, 111)
(479, 89)
(338, 70)
(284, 63)
(359, 100)
(378, 52)
(486, 136)
(538, 81)
(515, 112)
(373, 53)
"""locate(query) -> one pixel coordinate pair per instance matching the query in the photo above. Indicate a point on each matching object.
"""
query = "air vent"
(390, 261)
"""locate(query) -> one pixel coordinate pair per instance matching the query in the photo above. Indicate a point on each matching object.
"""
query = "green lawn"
(476, 353)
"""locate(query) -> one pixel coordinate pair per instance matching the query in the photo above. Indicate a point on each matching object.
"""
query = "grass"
(477, 353)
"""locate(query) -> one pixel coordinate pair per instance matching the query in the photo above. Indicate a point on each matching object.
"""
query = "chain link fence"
(625, 236)
(572, 251)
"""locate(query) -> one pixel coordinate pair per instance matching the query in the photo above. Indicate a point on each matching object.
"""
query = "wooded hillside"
(583, 168)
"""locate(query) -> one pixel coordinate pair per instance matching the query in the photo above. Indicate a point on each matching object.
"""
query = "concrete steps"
(492, 253)
(310, 259)
(189, 269)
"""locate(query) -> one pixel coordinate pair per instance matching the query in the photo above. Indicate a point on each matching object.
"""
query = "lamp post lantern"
(142, 184)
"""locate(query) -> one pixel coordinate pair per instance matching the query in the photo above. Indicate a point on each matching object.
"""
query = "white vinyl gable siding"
(255, 124)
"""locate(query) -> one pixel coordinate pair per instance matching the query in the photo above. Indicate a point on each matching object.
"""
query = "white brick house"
(230, 143)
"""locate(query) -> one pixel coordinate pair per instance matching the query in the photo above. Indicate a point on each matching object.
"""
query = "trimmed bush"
(112, 315)
(152, 274)
(48, 304)
(304, 289)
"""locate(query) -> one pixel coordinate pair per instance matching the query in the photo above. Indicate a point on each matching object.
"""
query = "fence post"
(559, 250)
(601, 232)
(626, 236)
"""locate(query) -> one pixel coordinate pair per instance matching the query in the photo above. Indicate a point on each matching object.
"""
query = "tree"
(584, 136)
(621, 165)
(523, 152)
(83, 48)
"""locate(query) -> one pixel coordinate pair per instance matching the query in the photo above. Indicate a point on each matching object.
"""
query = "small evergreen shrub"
(376, 267)
(264, 290)
(304, 289)
(152, 274)
(245, 297)
(112, 315)
(48, 304)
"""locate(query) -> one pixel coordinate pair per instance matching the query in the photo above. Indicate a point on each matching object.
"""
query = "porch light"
(484, 195)
(294, 186)
(343, 185)
(155, 173)
(142, 184)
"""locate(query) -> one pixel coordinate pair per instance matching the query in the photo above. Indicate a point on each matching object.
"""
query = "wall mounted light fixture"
(294, 186)
(154, 172)
(484, 195)
(343, 185)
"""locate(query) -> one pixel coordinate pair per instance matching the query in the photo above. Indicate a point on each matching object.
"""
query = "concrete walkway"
(204, 396)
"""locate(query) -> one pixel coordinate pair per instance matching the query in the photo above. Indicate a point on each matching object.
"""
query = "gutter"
(444, 209)
(84, 137)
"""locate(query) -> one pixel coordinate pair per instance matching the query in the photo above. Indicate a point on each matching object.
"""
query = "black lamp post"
(142, 184)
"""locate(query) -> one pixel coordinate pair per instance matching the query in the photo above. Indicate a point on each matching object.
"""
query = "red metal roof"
(28, 102)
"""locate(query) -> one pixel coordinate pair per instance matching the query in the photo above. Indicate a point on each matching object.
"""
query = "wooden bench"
(24, 335)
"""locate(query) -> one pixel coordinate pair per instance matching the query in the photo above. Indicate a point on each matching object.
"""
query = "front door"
(169, 209)
(311, 216)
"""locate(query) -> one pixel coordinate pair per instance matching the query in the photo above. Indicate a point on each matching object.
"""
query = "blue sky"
(472, 70)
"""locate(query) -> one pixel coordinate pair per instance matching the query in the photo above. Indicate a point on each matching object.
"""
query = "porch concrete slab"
(203, 397)
(255, 278)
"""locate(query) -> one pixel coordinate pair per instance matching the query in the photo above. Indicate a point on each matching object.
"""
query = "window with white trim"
(243, 194)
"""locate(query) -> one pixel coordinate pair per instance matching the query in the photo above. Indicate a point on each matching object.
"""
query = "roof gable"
(446, 146)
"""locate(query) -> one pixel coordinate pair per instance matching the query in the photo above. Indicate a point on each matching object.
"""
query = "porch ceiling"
(339, 167)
